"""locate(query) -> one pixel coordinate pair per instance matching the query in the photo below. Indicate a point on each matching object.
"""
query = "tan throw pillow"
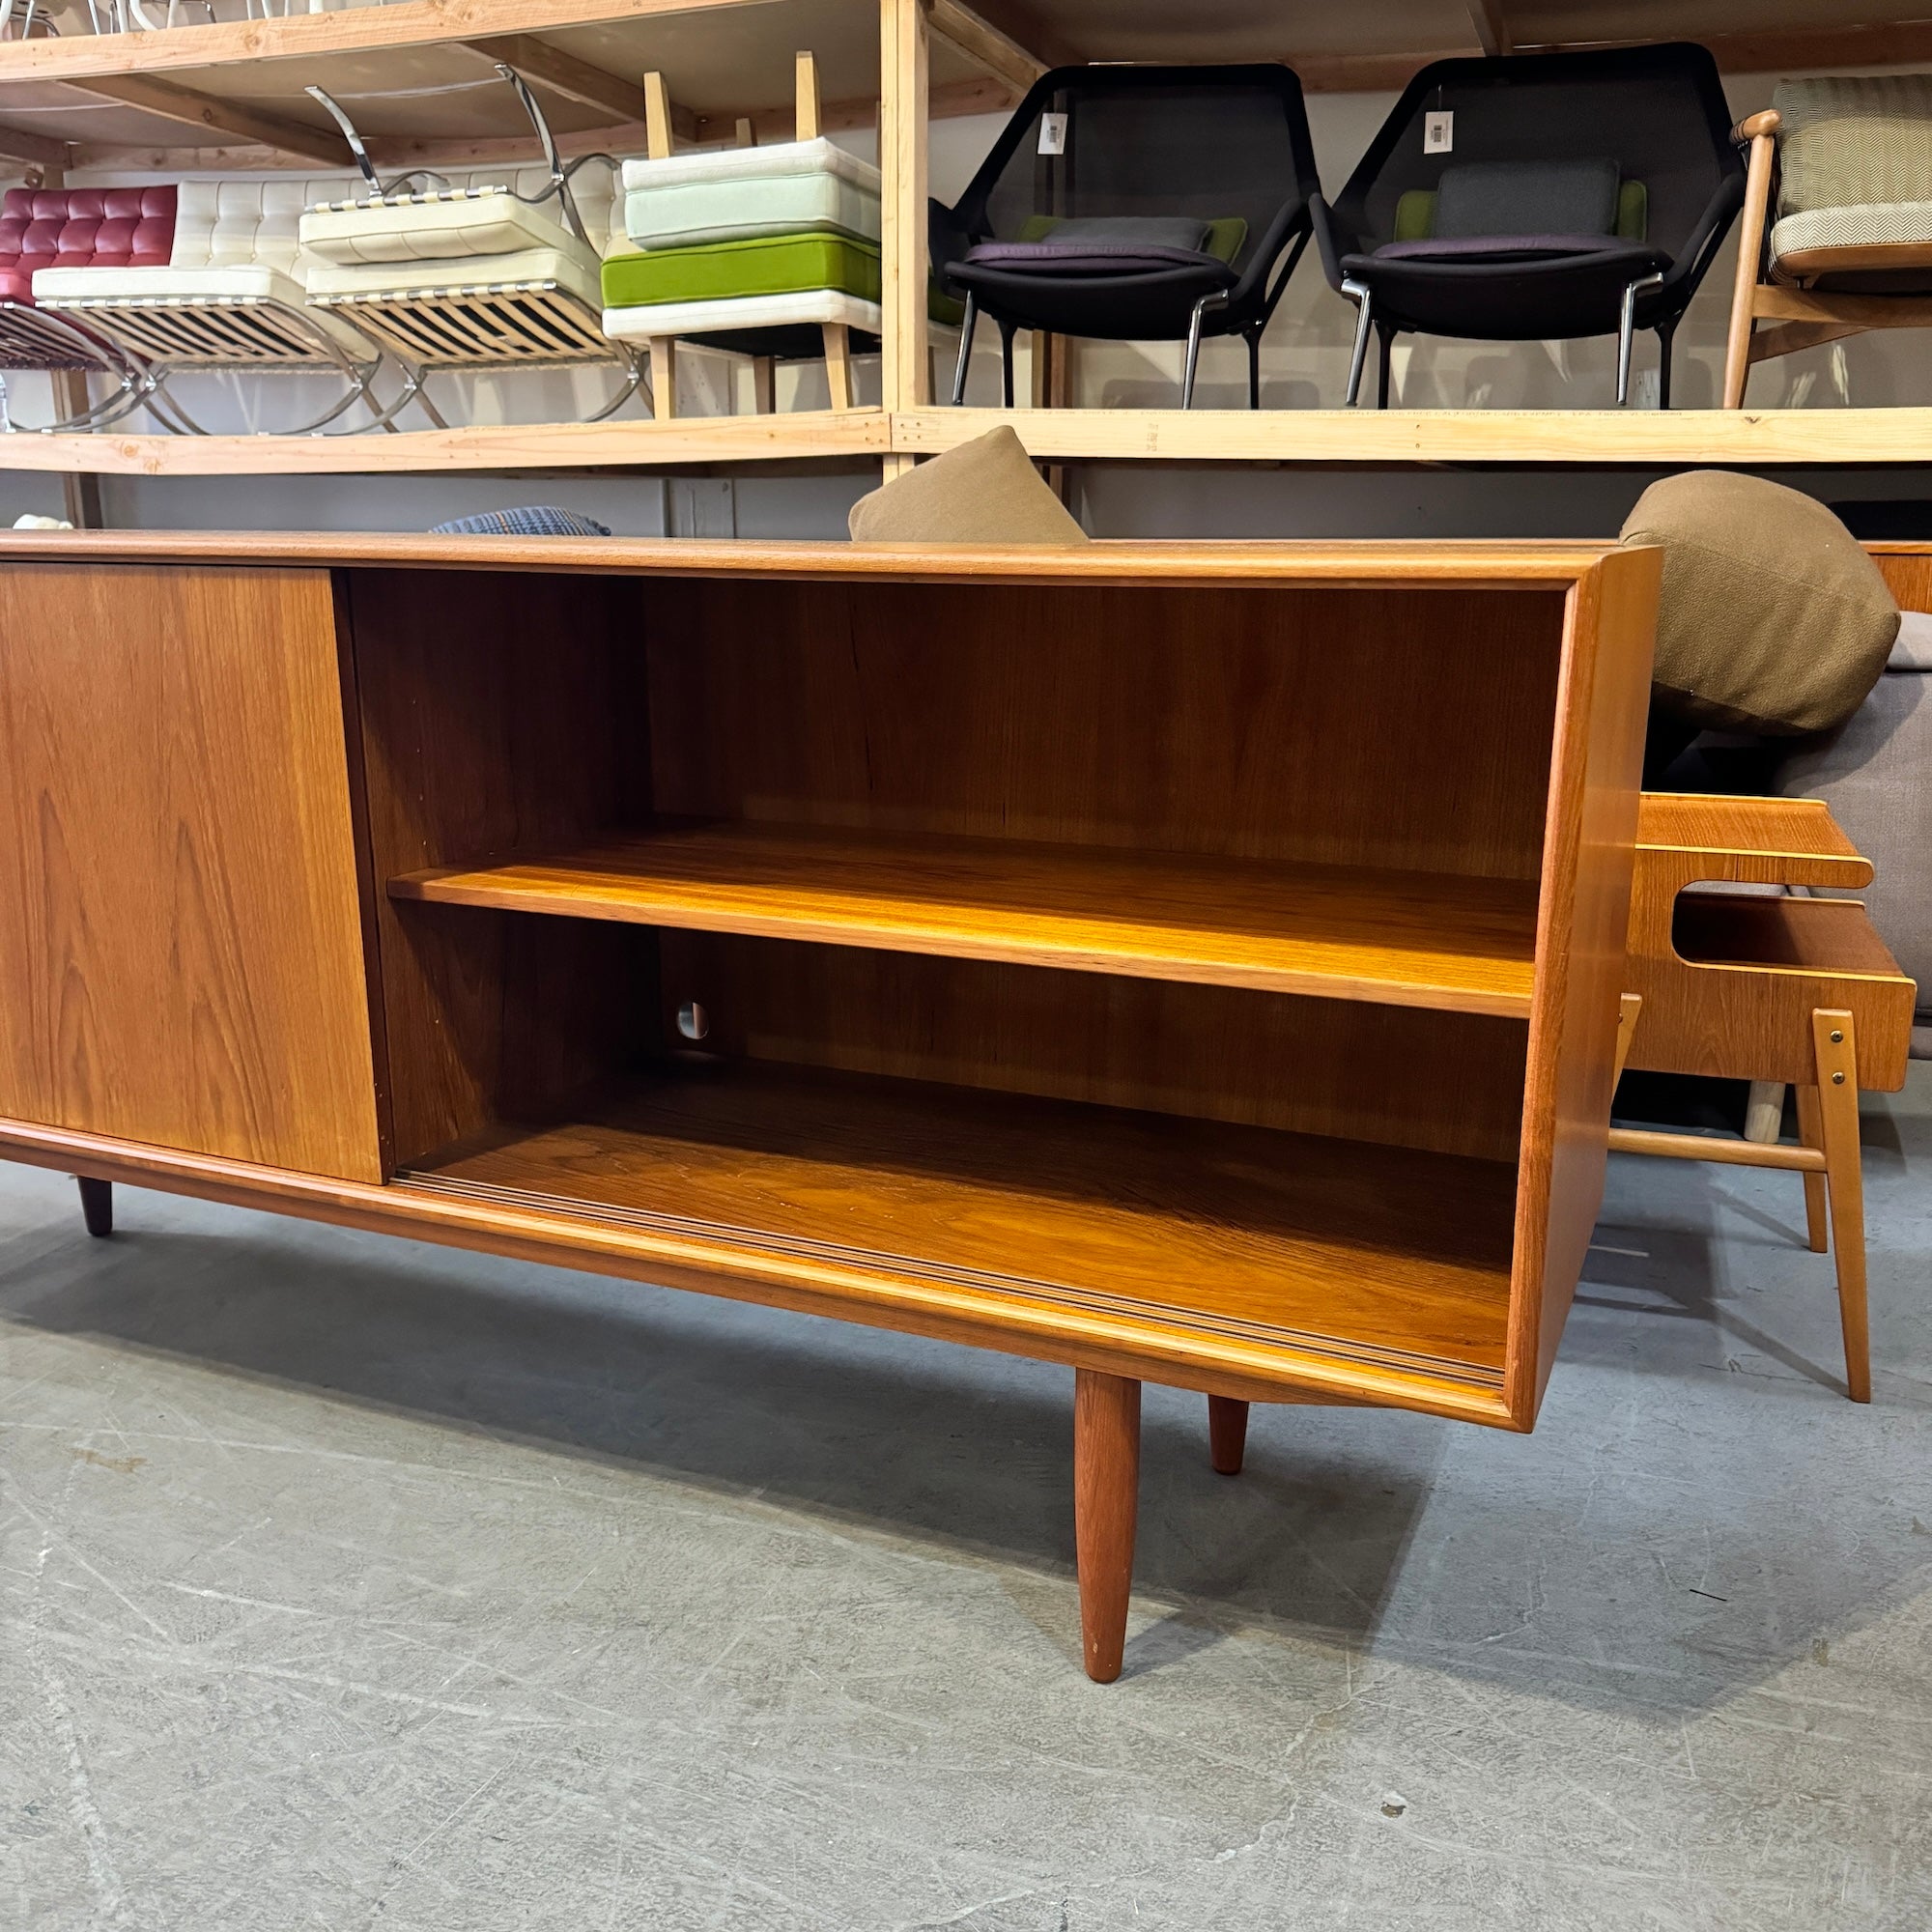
(984, 491)
(1773, 618)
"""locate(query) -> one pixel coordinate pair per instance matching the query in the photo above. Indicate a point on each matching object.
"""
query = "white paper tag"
(1053, 133)
(1439, 131)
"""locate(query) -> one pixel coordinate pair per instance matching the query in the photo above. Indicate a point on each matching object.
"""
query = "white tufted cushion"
(478, 215)
(724, 194)
(399, 281)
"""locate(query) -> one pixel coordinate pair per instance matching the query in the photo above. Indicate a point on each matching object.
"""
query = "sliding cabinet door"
(181, 930)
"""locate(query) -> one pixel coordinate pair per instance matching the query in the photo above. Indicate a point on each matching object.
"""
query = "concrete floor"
(351, 1584)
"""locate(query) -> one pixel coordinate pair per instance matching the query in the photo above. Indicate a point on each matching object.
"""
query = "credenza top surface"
(1465, 564)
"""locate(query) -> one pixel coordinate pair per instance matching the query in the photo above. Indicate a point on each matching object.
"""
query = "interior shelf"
(1341, 1249)
(1455, 944)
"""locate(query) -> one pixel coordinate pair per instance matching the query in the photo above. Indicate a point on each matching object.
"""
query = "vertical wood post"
(903, 154)
(663, 348)
(1106, 1499)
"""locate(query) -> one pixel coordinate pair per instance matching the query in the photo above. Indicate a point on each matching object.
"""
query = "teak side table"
(1779, 989)
(1187, 962)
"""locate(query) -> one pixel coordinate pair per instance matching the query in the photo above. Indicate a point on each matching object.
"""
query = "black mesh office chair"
(1569, 194)
(1137, 204)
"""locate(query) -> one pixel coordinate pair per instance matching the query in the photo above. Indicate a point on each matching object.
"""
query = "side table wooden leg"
(1812, 1134)
(97, 1205)
(1227, 1434)
(1106, 1499)
(1844, 1182)
(1764, 1111)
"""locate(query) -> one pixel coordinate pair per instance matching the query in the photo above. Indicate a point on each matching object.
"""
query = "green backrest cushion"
(1223, 240)
(1415, 213)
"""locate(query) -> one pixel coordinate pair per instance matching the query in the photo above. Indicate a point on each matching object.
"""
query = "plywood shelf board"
(1596, 438)
(1460, 945)
(1333, 438)
(797, 435)
(1243, 1233)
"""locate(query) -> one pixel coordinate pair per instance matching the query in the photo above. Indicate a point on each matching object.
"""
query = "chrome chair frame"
(485, 326)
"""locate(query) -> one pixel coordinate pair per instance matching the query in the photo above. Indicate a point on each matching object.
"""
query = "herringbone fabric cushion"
(1853, 139)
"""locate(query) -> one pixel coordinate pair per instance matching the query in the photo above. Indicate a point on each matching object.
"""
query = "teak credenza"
(1190, 962)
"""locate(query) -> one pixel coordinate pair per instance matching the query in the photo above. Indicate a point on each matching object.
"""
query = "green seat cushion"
(765, 264)
(1223, 240)
(1415, 215)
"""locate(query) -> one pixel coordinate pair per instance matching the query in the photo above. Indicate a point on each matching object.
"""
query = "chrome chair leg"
(1627, 333)
(967, 323)
(1358, 294)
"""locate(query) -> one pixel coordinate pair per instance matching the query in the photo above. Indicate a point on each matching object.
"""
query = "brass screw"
(1837, 1080)
(1837, 1037)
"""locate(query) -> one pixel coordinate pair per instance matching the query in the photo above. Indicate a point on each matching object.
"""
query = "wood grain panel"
(1394, 729)
(497, 712)
(1451, 1083)
(1379, 1254)
(1458, 945)
(1583, 920)
(180, 939)
(1907, 569)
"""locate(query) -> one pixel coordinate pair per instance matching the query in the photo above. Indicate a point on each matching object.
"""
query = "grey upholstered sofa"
(1875, 772)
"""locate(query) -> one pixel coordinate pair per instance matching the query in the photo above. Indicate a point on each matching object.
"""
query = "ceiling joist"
(547, 67)
(163, 99)
(984, 44)
(1491, 25)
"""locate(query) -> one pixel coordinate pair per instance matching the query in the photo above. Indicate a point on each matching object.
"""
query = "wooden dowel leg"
(1844, 1184)
(97, 1205)
(1813, 1134)
(1106, 1499)
(1227, 1434)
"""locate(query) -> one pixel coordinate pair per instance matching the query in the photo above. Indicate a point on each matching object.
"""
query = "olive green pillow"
(984, 491)
(1773, 618)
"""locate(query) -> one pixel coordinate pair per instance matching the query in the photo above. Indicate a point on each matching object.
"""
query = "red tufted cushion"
(82, 228)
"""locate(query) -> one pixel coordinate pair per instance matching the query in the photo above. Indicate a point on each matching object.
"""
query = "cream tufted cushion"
(479, 215)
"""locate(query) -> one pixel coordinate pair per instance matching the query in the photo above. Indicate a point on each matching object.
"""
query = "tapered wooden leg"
(764, 385)
(1106, 1499)
(1813, 1134)
(97, 1205)
(1227, 1434)
(1844, 1184)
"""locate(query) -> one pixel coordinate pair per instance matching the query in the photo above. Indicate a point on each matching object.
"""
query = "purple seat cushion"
(1505, 248)
(1091, 258)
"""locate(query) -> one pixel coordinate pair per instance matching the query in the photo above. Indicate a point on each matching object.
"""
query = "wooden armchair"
(1833, 240)
(1767, 988)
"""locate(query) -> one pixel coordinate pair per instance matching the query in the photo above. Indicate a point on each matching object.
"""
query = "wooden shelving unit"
(418, 76)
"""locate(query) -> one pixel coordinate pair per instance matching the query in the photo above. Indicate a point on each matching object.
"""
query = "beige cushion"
(984, 491)
(403, 281)
(1772, 617)
(433, 226)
